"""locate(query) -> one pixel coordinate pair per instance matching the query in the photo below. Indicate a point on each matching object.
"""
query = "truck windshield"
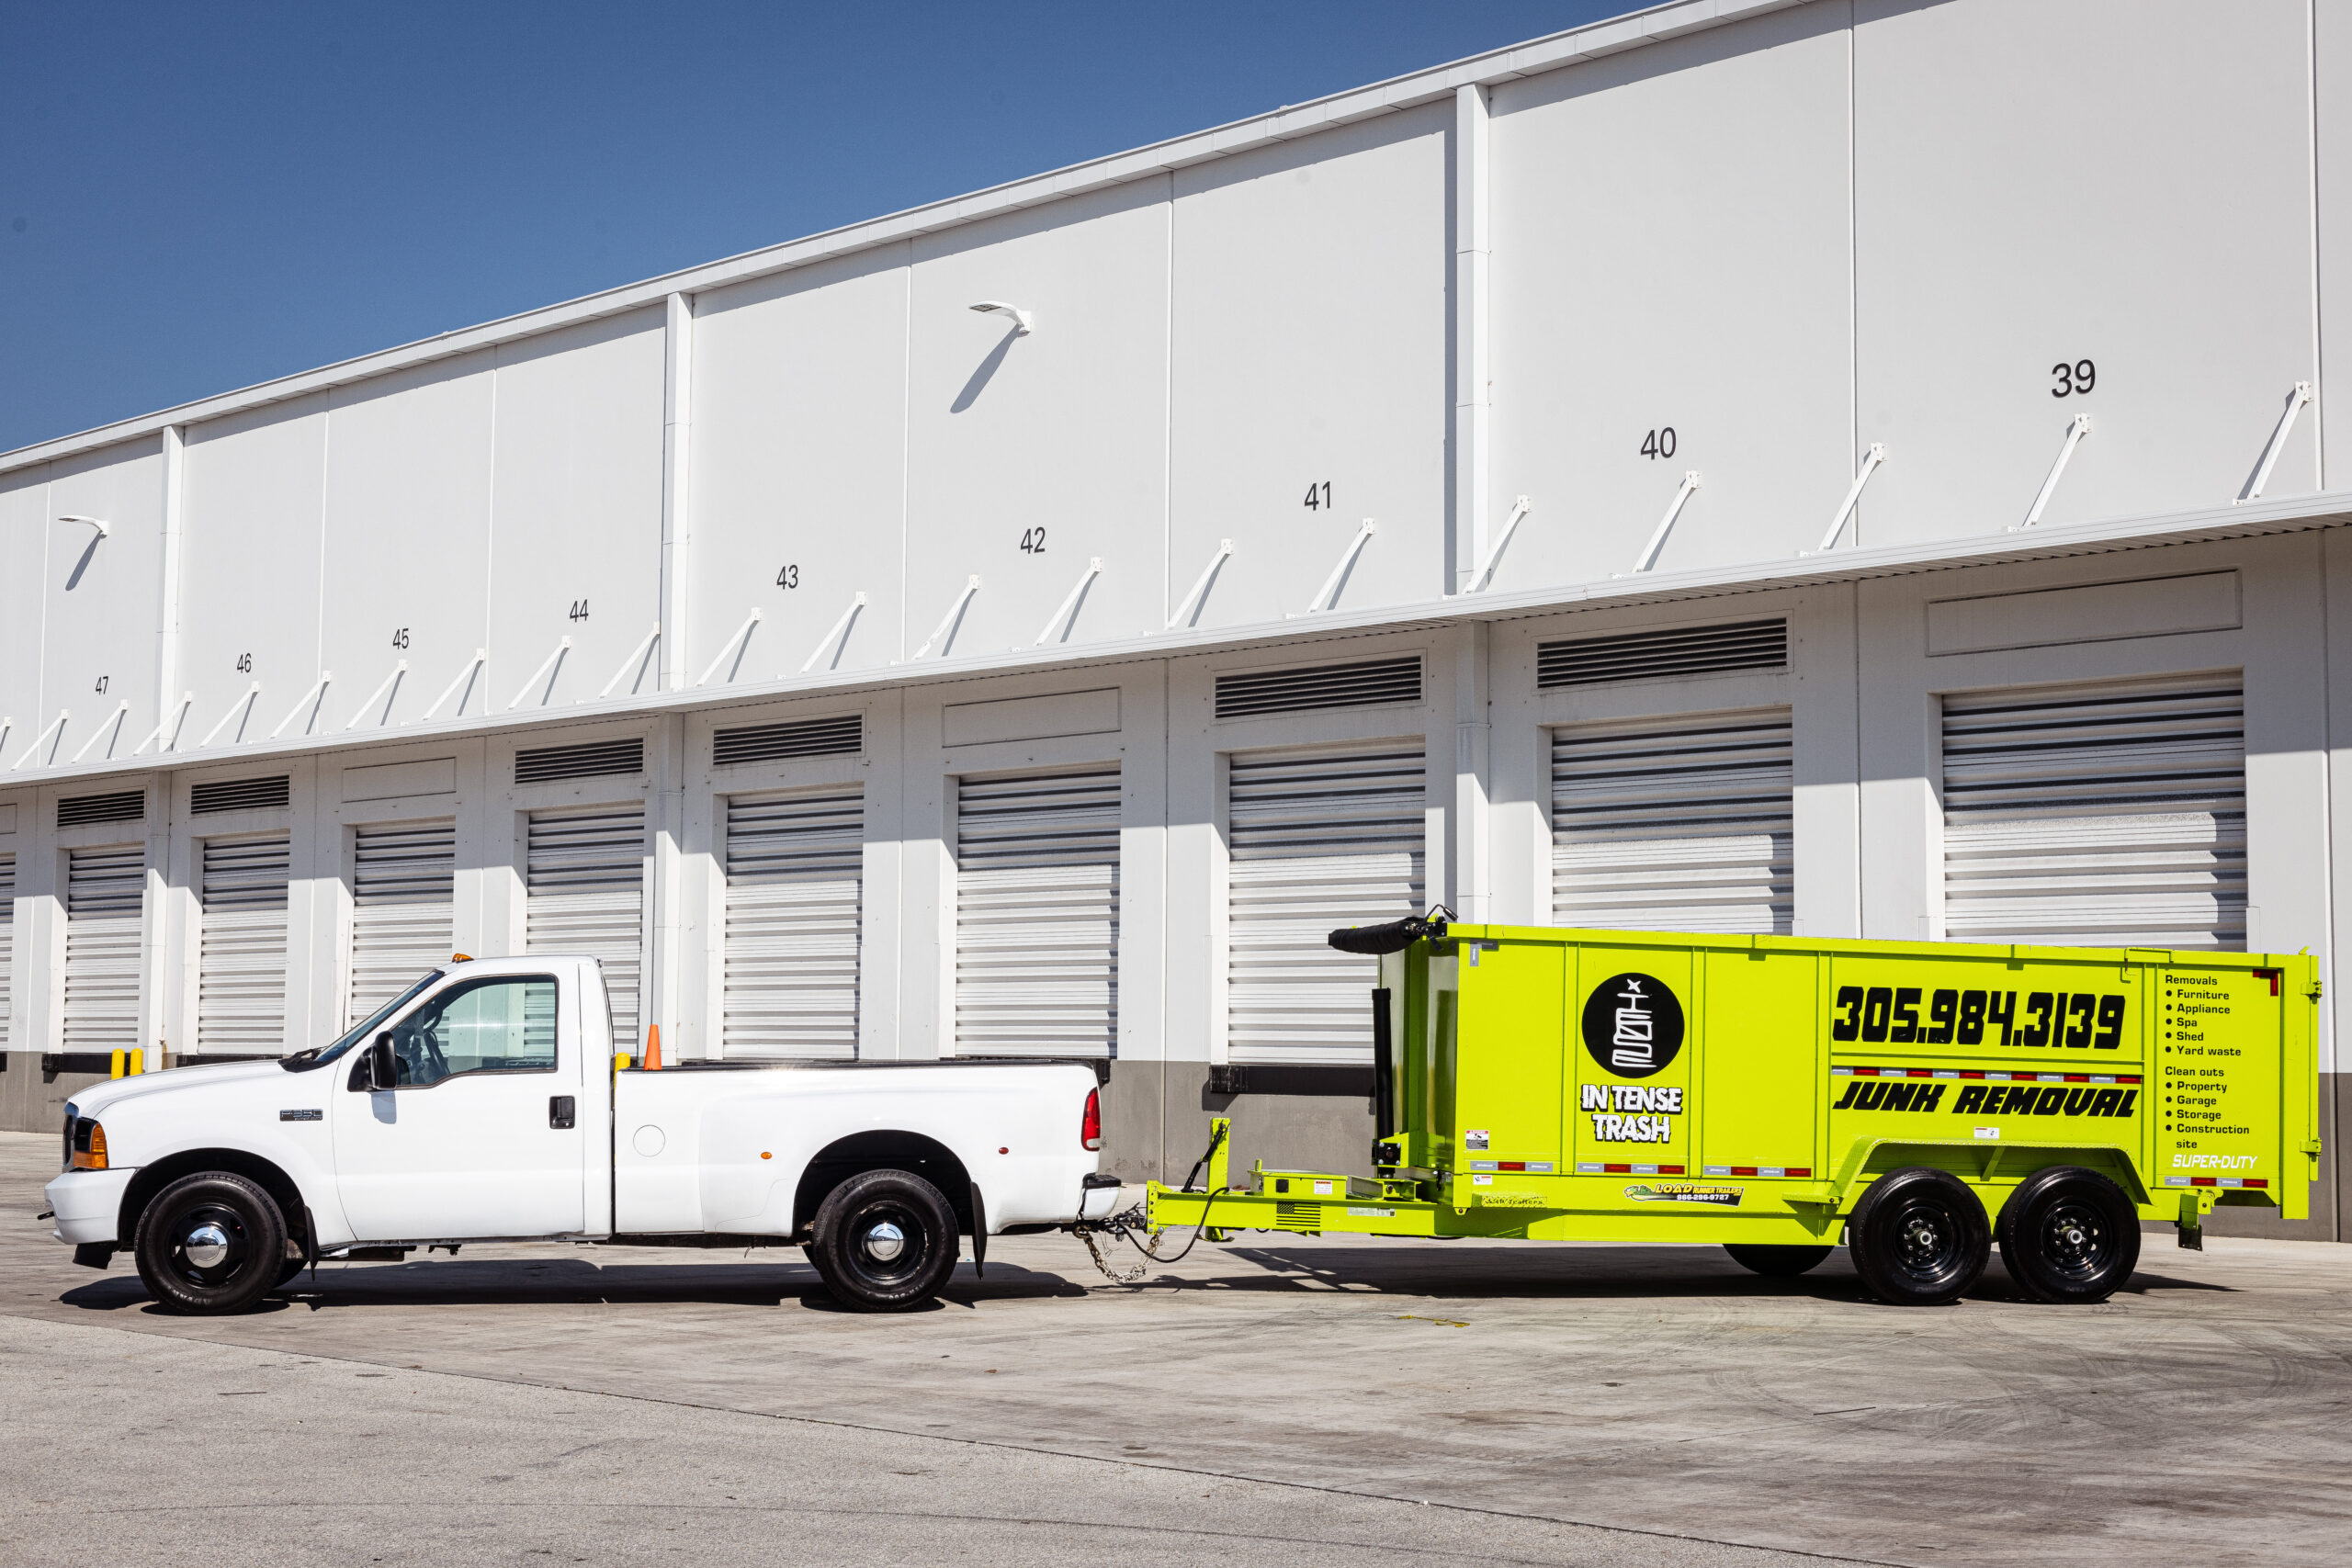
(318, 1055)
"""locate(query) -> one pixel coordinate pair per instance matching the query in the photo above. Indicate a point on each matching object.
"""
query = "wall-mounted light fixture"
(101, 525)
(1021, 322)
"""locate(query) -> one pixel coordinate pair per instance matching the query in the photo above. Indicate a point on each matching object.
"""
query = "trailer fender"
(1981, 1165)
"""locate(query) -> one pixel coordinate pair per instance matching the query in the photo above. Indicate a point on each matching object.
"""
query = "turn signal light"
(1090, 1126)
(90, 1153)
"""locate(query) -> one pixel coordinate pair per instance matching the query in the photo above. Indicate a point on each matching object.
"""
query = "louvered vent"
(129, 805)
(584, 761)
(239, 794)
(801, 738)
(1654, 656)
(1322, 686)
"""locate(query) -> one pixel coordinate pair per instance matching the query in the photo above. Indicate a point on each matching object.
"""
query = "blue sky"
(194, 198)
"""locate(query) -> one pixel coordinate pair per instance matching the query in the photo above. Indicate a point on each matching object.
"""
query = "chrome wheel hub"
(207, 1245)
(885, 1242)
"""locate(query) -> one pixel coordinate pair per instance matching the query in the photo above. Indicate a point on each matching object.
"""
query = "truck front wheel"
(210, 1243)
(1918, 1237)
(1778, 1261)
(2069, 1236)
(885, 1241)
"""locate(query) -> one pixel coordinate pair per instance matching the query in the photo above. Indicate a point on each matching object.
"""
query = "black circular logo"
(1632, 1024)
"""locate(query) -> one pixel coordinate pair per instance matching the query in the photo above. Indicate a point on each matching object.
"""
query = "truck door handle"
(560, 1111)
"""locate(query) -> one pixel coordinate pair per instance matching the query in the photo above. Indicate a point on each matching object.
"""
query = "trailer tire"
(1776, 1261)
(209, 1243)
(885, 1241)
(1920, 1237)
(2069, 1236)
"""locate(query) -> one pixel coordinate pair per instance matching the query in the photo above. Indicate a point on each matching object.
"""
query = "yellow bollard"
(114, 1065)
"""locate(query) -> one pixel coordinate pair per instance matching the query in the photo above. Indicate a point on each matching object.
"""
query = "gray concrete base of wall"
(32, 1101)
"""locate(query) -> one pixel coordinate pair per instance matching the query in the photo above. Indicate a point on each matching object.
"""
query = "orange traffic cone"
(653, 1048)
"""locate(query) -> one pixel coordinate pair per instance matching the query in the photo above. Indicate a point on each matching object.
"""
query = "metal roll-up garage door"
(1682, 824)
(1317, 839)
(241, 951)
(583, 885)
(105, 892)
(1037, 914)
(2109, 815)
(795, 884)
(404, 897)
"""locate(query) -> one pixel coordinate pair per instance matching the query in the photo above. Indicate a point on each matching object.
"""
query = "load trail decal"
(1891, 1015)
(1919, 1090)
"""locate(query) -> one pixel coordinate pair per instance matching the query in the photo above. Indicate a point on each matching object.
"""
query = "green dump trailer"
(1777, 1095)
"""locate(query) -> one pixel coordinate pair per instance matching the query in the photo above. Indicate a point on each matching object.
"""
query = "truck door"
(483, 1137)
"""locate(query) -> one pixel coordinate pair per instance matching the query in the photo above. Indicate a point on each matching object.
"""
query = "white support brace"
(1648, 558)
(7, 728)
(314, 699)
(55, 725)
(1870, 460)
(2076, 429)
(1485, 572)
(1330, 589)
(1191, 604)
(2286, 426)
(243, 705)
(546, 665)
(464, 675)
(122, 710)
(1061, 617)
(729, 645)
(171, 720)
(400, 667)
(634, 661)
(955, 610)
(835, 638)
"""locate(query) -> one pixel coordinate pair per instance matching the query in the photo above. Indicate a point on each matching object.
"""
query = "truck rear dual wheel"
(885, 1241)
(2069, 1236)
(1920, 1237)
(209, 1243)
(1778, 1262)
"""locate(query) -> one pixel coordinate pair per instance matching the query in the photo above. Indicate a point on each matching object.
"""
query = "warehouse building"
(1848, 467)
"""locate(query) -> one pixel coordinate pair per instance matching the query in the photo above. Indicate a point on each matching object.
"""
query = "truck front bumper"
(88, 1204)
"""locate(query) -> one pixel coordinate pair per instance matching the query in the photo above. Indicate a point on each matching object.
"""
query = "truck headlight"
(89, 1145)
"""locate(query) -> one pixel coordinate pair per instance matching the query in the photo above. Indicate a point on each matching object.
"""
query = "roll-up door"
(795, 881)
(583, 883)
(241, 953)
(404, 896)
(1677, 824)
(2107, 815)
(1317, 839)
(105, 892)
(1037, 914)
(7, 944)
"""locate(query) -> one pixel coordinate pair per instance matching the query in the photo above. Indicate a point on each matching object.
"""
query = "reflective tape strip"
(1987, 1075)
(1793, 1171)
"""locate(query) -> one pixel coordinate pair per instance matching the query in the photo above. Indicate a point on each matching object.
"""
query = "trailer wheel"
(1778, 1262)
(885, 1241)
(2069, 1236)
(209, 1243)
(1920, 1237)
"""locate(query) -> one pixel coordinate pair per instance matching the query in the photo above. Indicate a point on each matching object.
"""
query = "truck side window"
(505, 1025)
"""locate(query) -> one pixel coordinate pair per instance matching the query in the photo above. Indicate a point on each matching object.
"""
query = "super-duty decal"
(1891, 1014)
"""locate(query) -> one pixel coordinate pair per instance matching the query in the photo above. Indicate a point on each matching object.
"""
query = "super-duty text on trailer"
(1773, 1094)
(486, 1104)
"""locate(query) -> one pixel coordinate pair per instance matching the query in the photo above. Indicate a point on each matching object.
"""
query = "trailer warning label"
(1632, 1024)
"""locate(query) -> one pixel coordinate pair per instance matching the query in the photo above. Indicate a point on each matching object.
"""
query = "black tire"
(210, 1244)
(286, 1275)
(2069, 1236)
(885, 1241)
(1776, 1261)
(1920, 1237)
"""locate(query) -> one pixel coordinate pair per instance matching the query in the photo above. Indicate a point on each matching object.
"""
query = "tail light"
(89, 1145)
(1090, 1126)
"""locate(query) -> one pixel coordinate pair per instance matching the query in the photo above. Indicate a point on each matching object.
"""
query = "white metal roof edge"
(2295, 514)
(1673, 19)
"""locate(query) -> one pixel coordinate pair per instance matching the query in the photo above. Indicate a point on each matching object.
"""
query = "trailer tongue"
(1777, 1095)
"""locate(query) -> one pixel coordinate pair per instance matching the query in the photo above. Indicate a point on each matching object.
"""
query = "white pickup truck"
(486, 1103)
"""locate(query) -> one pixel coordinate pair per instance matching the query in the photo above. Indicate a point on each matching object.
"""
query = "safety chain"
(1126, 1223)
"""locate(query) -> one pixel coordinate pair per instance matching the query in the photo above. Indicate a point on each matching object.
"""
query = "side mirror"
(383, 1067)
